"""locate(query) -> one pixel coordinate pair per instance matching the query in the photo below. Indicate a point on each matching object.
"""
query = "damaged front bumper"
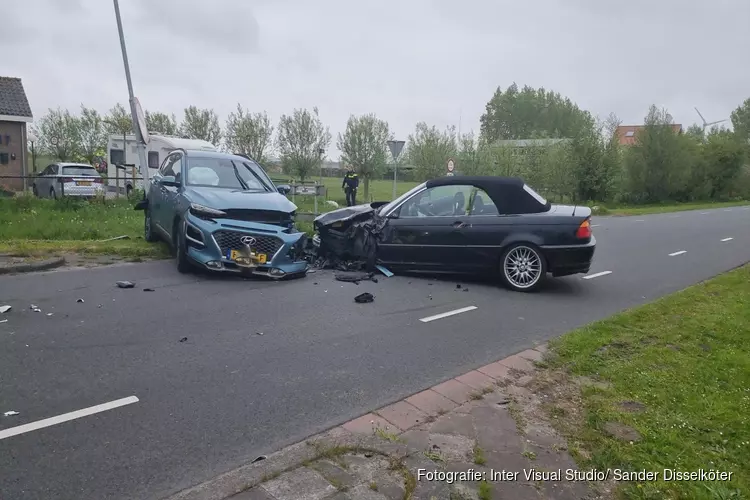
(349, 233)
(235, 246)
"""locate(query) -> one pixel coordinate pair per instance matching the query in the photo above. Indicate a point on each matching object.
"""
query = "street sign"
(141, 120)
(396, 147)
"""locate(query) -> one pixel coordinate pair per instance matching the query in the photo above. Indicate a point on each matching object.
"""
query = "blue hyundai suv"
(222, 212)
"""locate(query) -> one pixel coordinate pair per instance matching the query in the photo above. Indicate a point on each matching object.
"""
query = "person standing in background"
(350, 185)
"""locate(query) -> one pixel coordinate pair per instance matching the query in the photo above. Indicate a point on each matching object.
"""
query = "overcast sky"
(437, 61)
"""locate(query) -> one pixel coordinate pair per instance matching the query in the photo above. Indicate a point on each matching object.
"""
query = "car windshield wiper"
(239, 177)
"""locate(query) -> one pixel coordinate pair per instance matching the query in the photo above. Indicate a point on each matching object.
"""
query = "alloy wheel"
(522, 267)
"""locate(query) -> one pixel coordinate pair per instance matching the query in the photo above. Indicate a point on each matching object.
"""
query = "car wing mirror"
(283, 188)
(169, 180)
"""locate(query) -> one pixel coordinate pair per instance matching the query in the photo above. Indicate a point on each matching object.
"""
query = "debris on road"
(364, 298)
(49, 314)
(258, 333)
(125, 284)
(183, 339)
(352, 277)
(4, 321)
(123, 237)
(10, 413)
(384, 270)
(260, 458)
(35, 308)
(5, 309)
(458, 286)
(80, 301)
(148, 289)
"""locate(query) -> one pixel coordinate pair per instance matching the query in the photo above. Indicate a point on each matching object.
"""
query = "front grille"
(263, 216)
(230, 240)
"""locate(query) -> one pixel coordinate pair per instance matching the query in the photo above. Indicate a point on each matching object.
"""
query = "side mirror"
(169, 180)
(284, 188)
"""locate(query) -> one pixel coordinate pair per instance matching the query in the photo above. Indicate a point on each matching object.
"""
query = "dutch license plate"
(83, 183)
(242, 259)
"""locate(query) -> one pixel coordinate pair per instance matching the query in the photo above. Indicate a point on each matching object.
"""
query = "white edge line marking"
(677, 253)
(65, 417)
(639, 220)
(594, 225)
(727, 209)
(727, 239)
(446, 314)
(596, 275)
(704, 213)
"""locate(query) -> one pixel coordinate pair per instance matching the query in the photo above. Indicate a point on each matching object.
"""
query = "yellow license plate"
(83, 183)
(243, 259)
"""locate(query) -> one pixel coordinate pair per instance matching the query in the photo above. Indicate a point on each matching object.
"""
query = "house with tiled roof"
(626, 134)
(15, 114)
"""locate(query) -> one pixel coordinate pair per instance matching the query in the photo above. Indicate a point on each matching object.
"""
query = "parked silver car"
(68, 179)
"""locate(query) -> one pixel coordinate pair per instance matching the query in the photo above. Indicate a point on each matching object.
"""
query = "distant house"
(15, 113)
(626, 133)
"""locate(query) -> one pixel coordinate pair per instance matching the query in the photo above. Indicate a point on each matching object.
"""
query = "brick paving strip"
(485, 421)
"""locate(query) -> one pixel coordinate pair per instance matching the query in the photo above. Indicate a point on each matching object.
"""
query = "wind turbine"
(706, 124)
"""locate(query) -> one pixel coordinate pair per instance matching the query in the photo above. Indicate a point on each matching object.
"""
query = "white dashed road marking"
(639, 220)
(677, 253)
(446, 314)
(704, 213)
(65, 417)
(596, 275)
(727, 209)
(594, 225)
(727, 239)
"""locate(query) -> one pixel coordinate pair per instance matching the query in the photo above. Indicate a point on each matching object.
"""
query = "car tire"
(52, 193)
(523, 267)
(148, 227)
(183, 261)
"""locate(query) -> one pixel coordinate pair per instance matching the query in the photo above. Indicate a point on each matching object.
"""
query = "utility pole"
(136, 113)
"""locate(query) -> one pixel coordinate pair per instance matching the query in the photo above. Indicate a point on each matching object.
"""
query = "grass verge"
(677, 371)
(677, 207)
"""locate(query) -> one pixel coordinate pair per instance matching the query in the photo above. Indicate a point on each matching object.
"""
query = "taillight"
(584, 230)
(66, 179)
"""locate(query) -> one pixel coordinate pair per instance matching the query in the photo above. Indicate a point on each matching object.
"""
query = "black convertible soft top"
(507, 193)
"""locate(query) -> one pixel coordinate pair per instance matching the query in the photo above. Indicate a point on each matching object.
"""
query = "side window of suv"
(166, 164)
(175, 169)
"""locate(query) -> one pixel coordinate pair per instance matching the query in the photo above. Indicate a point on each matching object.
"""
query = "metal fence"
(71, 186)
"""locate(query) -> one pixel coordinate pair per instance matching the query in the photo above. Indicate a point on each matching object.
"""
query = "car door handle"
(459, 225)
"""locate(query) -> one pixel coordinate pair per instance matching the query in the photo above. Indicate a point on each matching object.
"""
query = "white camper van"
(127, 155)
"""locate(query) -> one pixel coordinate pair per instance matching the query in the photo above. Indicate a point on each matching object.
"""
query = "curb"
(358, 433)
(29, 267)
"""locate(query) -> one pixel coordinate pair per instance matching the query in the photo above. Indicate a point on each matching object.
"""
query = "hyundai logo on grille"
(248, 240)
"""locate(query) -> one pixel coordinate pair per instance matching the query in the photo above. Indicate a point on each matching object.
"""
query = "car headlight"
(201, 210)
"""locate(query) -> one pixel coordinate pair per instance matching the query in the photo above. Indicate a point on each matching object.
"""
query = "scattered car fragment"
(464, 225)
(10, 413)
(125, 284)
(364, 298)
(222, 212)
(5, 309)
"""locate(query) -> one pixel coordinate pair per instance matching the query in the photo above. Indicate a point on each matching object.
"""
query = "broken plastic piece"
(11, 413)
(260, 458)
(125, 284)
(148, 289)
(384, 270)
(183, 339)
(364, 298)
(5, 309)
(80, 301)
(3, 321)
(35, 308)
(258, 333)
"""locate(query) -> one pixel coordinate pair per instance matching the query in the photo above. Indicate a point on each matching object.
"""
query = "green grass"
(686, 357)
(667, 208)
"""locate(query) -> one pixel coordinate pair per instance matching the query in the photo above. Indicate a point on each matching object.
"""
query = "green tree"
(118, 121)
(656, 164)
(161, 123)
(91, 133)
(473, 157)
(741, 121)
(532, 113)
(58, 133)
(429, 150)
(249, 134)
(301, 138)
(724, 154)
(201, 124)
(696, 131)
(364, 145)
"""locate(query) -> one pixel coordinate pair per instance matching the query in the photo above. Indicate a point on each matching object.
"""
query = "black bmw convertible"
(465, 225)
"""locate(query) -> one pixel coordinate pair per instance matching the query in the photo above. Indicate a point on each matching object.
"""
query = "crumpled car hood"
(346, 214)
(225, 199)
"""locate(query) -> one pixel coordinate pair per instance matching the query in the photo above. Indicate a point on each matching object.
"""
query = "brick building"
(15, 114)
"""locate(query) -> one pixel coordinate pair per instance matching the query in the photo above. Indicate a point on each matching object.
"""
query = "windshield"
(387, 208)
(80, 170)
(227, 174)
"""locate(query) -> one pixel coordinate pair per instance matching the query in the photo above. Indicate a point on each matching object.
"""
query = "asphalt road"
(227, 394)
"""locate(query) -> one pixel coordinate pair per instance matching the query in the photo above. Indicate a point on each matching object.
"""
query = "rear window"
(80, 171)
(534, 194)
